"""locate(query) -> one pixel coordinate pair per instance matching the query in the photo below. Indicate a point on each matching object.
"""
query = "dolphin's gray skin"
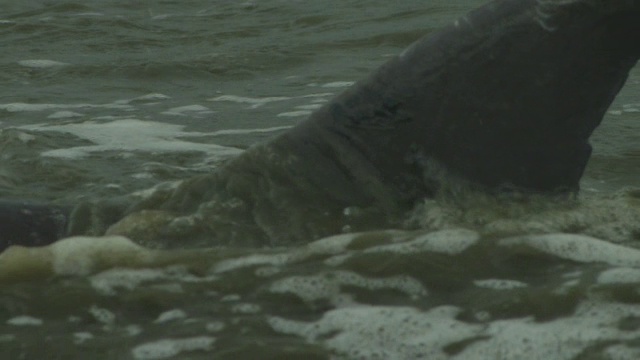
(504, 98)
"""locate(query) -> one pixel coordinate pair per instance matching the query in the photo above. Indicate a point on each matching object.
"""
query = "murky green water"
(102, 98)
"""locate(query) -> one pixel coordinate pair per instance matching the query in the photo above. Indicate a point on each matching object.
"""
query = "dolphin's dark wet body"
(29, 223)
(504, 98)
(498, 98)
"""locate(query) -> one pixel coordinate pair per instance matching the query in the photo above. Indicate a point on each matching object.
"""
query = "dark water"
(102, 98)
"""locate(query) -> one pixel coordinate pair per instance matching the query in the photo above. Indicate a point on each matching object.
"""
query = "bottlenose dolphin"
(503, 99)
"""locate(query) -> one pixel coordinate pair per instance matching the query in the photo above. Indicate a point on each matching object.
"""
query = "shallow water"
(102, 98)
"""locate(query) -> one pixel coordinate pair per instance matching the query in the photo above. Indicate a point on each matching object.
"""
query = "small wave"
(255, 102)
(129, 135)
(188, 110)
(41, 63)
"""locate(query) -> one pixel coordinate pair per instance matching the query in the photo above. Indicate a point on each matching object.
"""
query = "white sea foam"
(302, 110)
(559, 339)
(338, 84)
(82, 337)
(171, 315)
(251, 260)
(167, 348)
(383, 332)
(297, 113)
(188, 110)
(254, 102)
(622, 352)
(130, 135)
(64, 114)
(246, 308)
(327, 246)
(26, 138)
(626, 108)
(247, 131)
(620, 276)
(578, 248)
(329, 286)
(309, 107)
(152, 97)
(318, 96)
(90, 14)
(41, 63)
(133, 330)
(499, 284)
(24, 320)
(215, 326)
(23, 107)
(120, 279)
(331, 245)
(102, 315)
(450, 242)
